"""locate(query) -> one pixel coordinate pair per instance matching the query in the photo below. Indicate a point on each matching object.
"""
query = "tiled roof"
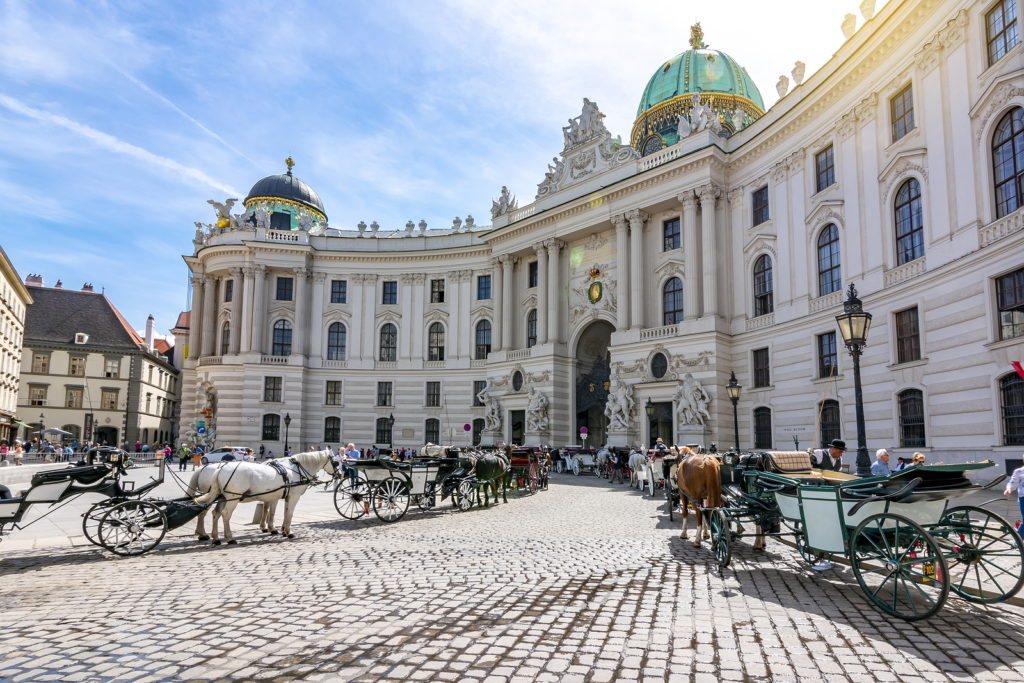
(56, 315)
(184, 320)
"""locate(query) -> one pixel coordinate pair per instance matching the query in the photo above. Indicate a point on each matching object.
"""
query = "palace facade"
(722, 239)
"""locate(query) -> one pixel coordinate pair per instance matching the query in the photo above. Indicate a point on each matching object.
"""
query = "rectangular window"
(670, 234)
(339, 291)
(272, 389)
(37, 394)
(383, 393)
(908, 338)
(73, 397)
(478, 386)
(901, 109)
(762, 372)
(1010, 301)
(108, 399)
(828, 359)
(483, 287)
(437, 291)
(41, 363)
(229, 290)
(76, 366)
(433, 394)
(432, 430)
(390, 292)
(284, 288)
(1001, 29)
(759, 198)
(332, 395)
(531, 277)
(824, 169)
(271, 428)
(112, 367)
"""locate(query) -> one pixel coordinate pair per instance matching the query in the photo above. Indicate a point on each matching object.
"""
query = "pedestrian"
(183, 457)
(880, 468)
(830, 458)
(138, 446)
(1016, 485)
(263, 451)
(19, 453)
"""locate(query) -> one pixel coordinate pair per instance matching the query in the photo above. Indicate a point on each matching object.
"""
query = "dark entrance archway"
(593, 370)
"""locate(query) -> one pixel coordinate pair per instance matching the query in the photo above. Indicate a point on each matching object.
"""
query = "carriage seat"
(788, 462)
(86, 474)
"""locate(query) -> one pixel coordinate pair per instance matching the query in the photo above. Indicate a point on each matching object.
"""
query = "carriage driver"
(351, 453)
(830, 459)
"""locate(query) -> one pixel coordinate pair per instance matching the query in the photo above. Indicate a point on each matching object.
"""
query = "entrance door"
(106, 435)
(517, 426)
(593, 370)
(660, 423)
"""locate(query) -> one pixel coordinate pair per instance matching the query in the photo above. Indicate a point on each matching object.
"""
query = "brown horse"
(699, 485)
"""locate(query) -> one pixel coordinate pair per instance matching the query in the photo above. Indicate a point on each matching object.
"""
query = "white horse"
(249, 481)
(201, 482)
(638, 468)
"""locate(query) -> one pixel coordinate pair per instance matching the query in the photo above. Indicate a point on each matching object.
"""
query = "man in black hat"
(831, 459)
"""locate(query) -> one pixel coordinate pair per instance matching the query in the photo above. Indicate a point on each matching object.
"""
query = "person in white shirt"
(1016, 485)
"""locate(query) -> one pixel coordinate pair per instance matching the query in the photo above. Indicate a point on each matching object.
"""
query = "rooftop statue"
(587, 125)
(224, 217)
(503, 204)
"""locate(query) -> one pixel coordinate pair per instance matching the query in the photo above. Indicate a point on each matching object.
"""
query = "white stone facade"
(14, 298)
(600, 217)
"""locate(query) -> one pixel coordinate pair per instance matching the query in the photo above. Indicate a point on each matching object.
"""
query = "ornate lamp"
(854, 324)
(391, 427)
(734, 388)
(287, 421)
(649, 409)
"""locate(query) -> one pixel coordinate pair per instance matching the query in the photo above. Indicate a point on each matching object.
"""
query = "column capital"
(419, 278)
(619, 221)
(405, 278)
(319, 277)
(301, 272)
(636, 217)
(248, 271)
(210, 280)
(553, 245)
(197, 280)
(235, 272)
(508, 260)
(687, 199)
(259, 270)
(538, 247)
(708, 193)
(735, 196)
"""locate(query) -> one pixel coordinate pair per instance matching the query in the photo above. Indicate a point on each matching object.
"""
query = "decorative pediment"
(761, 242)
(436, 315)
(996, 97)
(530, 301)
(830, 211)
(280, 311)
(675, 266)
(913, 162)
(481, 311)
(388, 317)
(338, 316)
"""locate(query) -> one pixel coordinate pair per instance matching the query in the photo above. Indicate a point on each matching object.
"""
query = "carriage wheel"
(811, 557)
(649, 481)
(352, 498)
(576, 467)
(132, 527)
(984, 554)
(464, 494)
(427, 500)
(899, 566)
(544, 479)
(91, 520)
(391, 499)
(721, 537)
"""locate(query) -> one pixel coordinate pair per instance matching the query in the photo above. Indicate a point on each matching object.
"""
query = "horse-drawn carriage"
(529, 468)
(907, 546)
(584, 461)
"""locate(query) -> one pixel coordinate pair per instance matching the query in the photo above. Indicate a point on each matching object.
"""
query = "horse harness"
(305, 478)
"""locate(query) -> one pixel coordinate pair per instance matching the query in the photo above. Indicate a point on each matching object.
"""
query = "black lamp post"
(854, 324)
(42, 427)
(734, 388)
(287, 421)
(391, 427)
(649, 409)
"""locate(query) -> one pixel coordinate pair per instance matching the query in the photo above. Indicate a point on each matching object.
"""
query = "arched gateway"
(593, 370)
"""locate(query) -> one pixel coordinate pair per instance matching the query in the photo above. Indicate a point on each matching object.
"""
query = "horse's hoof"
(274, 532)
(216, 543)
(232, 542)
(290, 535)
(696, 545)
(203, 538)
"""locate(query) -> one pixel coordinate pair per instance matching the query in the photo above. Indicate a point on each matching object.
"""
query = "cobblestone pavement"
(584, 582)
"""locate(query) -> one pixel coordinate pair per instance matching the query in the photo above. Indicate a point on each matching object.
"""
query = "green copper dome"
(700, 71)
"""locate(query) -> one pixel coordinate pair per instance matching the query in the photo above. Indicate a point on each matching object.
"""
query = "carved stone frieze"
(847, 125)
(735, 197)
(927, 58)
(865, 109)
(955, 30)
(999, 98)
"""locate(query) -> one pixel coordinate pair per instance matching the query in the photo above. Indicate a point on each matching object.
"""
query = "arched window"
(909, 223)
(271, 428)
(332, 430)
(337, 340)
(432, 430)
(389, 343)
(1008, 162)
(651, 145)
(75, 432)
(763, 288)
(1011, 404)
(762, 427)
(911, 403)
(225, 338)
(383, 431)
(829, 277)
(282, 345)
(435, 342)
(483, 340)
(672, 301)
(831, 427)
(531, 328)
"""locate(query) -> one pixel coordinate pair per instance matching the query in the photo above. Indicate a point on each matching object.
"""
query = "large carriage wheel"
(391, 499)
(899, 566)
(649, 481)
(91, 519)
(132, 527)
(352, 497)
(463, 494)
(721, 536)
(984, 554)
(576, 467)
(428, 499)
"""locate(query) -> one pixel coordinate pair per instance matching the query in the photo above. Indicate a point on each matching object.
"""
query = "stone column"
(209, 329)
(542, 293)
(405, 304)
(236, 310)
(691, 273)
(369, 323)
(245, 323)
(709, 247)
(453, 297)
(497, 296)
(259, 306)
(195, 324)
(553, 247)
(622, 269)
(316, 317)
(636, 219)
(508, 263)
(301, 327)
(356, 333)
(416, 331)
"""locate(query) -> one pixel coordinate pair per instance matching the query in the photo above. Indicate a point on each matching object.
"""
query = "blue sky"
(118, 120)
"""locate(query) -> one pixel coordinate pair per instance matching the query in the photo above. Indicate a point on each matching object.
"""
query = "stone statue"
(503, 204)
(469, 223)
(361, 227)
(849, 25)
(537, 412)
(422, 226)
(492, 408)
(683, 127)
(798, 72)
(782, 87)
(618, 408)
(587, 125)
(737, 119)
(305, 221)
(374, 227)
(224, 219)
(262, 218)
(200, 235)
(692, 402)
(456, 224)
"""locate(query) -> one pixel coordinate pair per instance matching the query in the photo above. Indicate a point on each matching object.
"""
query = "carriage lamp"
(734, 388)
(287, 421)
(649, 407)
(854, 324)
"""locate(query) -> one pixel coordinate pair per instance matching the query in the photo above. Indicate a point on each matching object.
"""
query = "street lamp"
(42, 427)
(854, 324)
(391, 427)
(733, 387)
(287, 421)
(649, 409)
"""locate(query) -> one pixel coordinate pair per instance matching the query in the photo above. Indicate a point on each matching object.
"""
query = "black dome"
(286, 186)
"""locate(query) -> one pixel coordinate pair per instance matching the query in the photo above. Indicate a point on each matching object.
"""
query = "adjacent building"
(14, 299)
(617, 303)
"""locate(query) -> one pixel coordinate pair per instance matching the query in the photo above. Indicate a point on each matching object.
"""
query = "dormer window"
(81, 338)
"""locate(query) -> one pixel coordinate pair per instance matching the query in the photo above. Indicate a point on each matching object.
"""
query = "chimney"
(34, 280)
(87, 287)
(149, 333)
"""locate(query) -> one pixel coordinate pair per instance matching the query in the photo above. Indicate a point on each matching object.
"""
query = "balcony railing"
(434, 364)
(211, 360)
(274, 360)
(760, 321)
(520, 354)
(335, 363)
(905, 272)
(998, 229)
(659, 332)
(828, 301)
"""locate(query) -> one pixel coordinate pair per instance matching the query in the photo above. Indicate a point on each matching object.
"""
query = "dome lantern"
(291, 203)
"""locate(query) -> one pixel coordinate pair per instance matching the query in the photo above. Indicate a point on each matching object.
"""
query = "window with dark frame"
(339, 291)
(831, 422)
(909, 222)
(433, 399)
(108, 399)
(437, 291)
(337, 341)
(388, 343)
(1010, 303)
(73, 397)
(272, 389)
(76, 366)
(483, 340)
(762, 427)
(229, 290)
(908, 337)
(829, 275)
(670, 234)
(483, 287)
(531, 328)
(478, 386)
(285, 286)
(225, 338)
(1011, 405)
(41, 363)
(1001, 29)
(383, 393)
(911, 406)
(531, 274)
(37, 394)
(332, 392)
(763, 287)
(1008, 162)
(672, 301)
(759, 199)
(332, 430)
(383, 431)
(828, 357)
(824, 169)
(271, 428)
(762, 368)
(389, 292)
(901, 111)
(282, 339)
(432, 430)
(435, 342)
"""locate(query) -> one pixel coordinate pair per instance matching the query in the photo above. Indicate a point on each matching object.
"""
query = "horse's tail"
(214, 491)
(713, 482)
